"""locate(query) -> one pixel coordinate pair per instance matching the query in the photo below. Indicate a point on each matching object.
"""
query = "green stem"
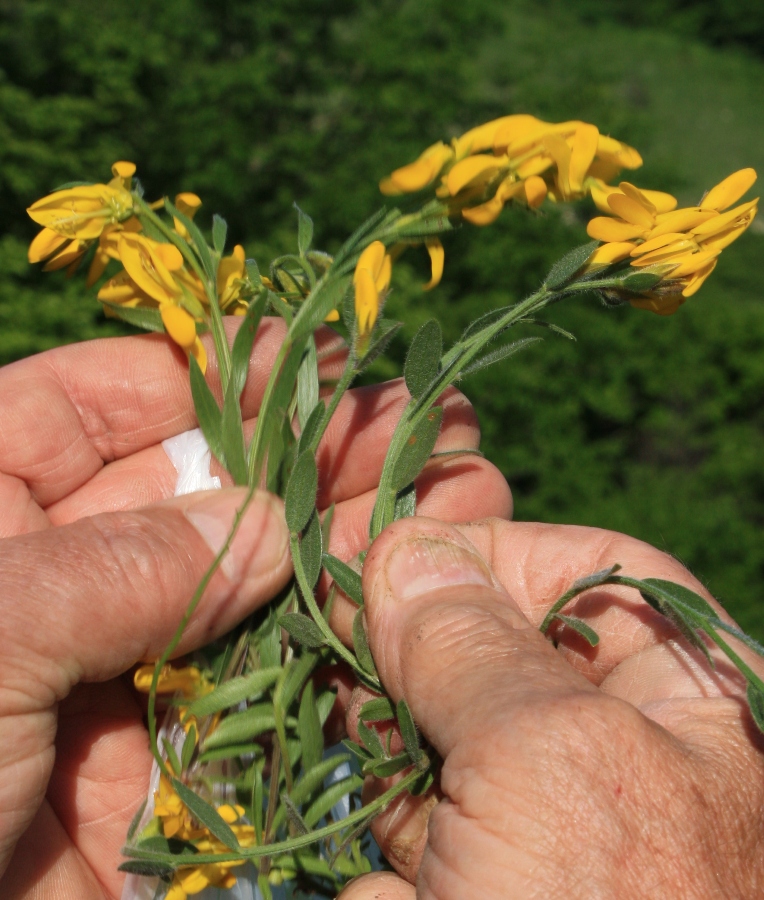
(310, 601)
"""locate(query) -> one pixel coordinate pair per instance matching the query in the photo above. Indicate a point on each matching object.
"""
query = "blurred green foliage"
(647, 425)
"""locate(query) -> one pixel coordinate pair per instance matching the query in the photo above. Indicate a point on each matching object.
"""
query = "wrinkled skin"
(630, 770)
(98, 565)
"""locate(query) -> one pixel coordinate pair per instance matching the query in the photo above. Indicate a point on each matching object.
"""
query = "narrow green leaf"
(300, 500)
(232, 436)
(253, 272)
(594, 580)
(311, 546)
(384, 768)
(683, 595)
(141, 317)
(755, 697)
(564, 269)
(405, 502)
(359, 752)
(408, 730)
(268, 641)
(258, 792)
(361, 644)
(200, 245)
(207, 815)
(136, 820)
(418, 448)
(233, 692)
(314, 777)
(331, 797)
(240, 727)
(371, 741)
(348, 580)
(219, 233)
(482, 322)
(309, 729)
(146, 868)
(172, 756)
(384, 331)
(304, 231)
(302, 629)
(423, 359)
(307, 383)
(230, 751)
(325, 703)
(242, 344)
(296, 822)
(380, 709)
(423, 784)
(683, 619)
(311, 427)
(298, 673)
(208, 412)
(321, 302)
(497, 355)
(586, 631)
(189, 745)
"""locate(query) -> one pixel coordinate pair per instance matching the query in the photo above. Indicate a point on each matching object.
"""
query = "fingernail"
(423, 564)
(259, 544)
(407, 828)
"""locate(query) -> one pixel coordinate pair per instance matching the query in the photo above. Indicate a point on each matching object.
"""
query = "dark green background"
(647, 425)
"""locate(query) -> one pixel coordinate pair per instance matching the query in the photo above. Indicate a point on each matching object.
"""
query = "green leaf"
(304, 231)
(423, 359)
(331, 797)
(232, 436)
(380, 709)
(417, 449)
(303, 629)
(346, 579)
(384, 331)
(230, 751)
(405, 502)
(136, 820)
(423, 784)
(200, 245)
(384, 768)
(485, 321)
(309, 729)
(307, 383)
(564, 269)
(683, 618)
(314, 777)
(498, 355)
(301, 492)
(189, 745)
(594, 580)
(408, 730)
(297, 825)
(359, 752)
(311, 545)
(297, 674)
(172, 756)
(207, 410)
(219, 233)
(146, 868)
(233, 692)
(311, 428)
(325, 703)
(637, 282)
(371, 741)
(330, 295)
(586, 631)
(243, 726)
(141, 317)
(207, 815)
(683, 595)
(242, 344)
(253, 272)
(755, 697)
(361, 644)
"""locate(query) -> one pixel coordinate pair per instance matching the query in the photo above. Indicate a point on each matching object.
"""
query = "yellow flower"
(82, 213)
(187, 680)
(681, 244)
(231, 279)
(514, 158)
(188, 204)
(371, 281)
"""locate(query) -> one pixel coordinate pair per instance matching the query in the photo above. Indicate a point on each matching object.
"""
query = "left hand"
(98, 565)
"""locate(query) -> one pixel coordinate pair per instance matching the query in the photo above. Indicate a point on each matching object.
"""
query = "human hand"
(624, 771)
(97, 566)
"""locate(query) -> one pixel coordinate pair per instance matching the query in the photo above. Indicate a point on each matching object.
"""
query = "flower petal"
(180, 326)
(631, 210)
(698, 278)
(535, 191)
(471, 169)
(366, 301)
(729, 190)
(437, 257)
(602, 228)
(608, 254)
(724, 220)
(680, 220)
(583, 147)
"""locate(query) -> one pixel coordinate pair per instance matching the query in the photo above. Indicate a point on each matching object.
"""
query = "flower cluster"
(155, 273)
(515, 158)
(681, 245)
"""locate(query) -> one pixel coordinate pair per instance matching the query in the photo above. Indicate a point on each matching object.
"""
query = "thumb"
(86, 601)
(446, 635)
